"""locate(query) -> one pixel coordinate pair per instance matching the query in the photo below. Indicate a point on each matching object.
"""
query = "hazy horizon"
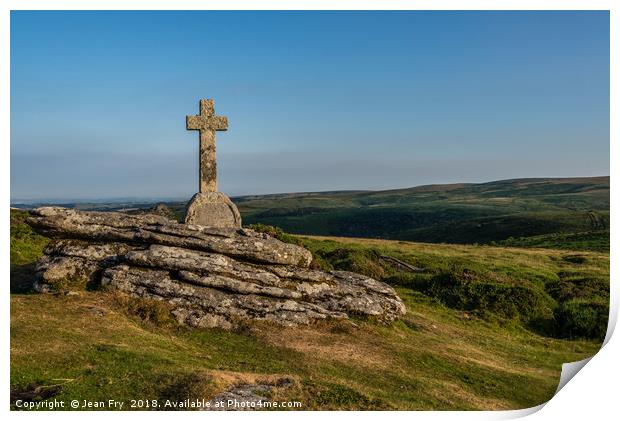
(147, 199)
(317, 101)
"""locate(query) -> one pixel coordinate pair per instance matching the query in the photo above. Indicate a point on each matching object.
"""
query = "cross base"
(212, 209)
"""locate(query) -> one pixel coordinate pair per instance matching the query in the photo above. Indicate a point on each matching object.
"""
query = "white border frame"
(591, 395)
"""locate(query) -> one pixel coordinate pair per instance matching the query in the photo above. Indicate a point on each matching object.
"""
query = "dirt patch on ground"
(340, 341)
(227, 378)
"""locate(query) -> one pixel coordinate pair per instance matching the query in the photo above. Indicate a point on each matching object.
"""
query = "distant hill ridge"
(597, 181)
(496, 211)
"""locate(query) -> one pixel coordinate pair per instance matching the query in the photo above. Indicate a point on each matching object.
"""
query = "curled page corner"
(569, 370)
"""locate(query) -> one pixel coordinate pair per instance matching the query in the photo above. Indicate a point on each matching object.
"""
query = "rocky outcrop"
(210, 277)
(245, 244)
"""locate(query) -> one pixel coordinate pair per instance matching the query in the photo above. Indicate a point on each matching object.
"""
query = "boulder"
(75, 262)
(210, 277)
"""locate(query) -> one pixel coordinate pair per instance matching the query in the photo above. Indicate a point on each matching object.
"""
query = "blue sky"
(315, 100)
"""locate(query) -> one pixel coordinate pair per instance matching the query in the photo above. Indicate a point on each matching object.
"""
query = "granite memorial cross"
(208, 123)
(209, 207)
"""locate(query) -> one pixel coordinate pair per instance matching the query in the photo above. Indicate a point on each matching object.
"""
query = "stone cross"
(207, 122)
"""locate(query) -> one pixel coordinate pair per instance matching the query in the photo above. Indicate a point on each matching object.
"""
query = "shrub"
(365, 262)
(565, 288)
(194, 386)
(319, 263)
(276, 232)
(586, 319)
(150, 311)
(470, 291)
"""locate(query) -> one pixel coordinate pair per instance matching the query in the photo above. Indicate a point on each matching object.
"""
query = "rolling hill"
(542, 210)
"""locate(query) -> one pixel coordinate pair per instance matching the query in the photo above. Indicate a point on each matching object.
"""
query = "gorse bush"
(466, 290)
(567, 288)
(276, 233)
(157, 313)
(193, 385)
(577, 318)
(365, 262)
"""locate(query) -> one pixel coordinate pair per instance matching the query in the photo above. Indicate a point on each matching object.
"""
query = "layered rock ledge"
(210, 277)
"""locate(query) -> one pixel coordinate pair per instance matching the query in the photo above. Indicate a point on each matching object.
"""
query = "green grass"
(26, 245)
(102, 345)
